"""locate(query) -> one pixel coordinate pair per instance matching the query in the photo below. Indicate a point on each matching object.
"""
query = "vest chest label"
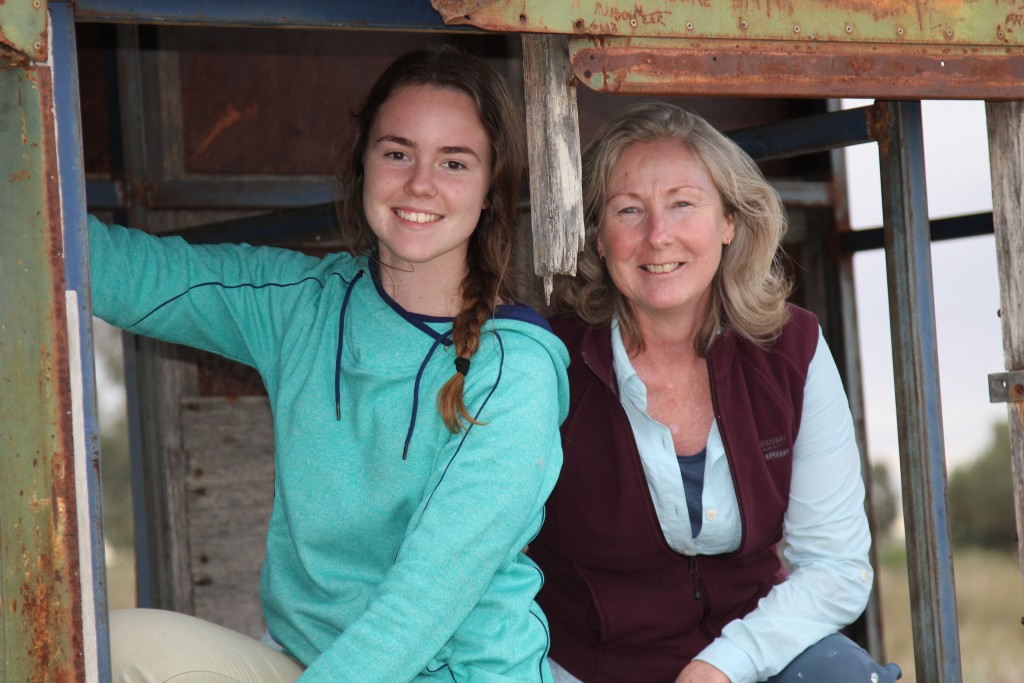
(775, 447)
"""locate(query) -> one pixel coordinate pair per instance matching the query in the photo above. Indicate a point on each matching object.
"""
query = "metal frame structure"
(52, 584)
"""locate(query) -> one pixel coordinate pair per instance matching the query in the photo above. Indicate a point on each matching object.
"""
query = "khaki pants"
(157, 646)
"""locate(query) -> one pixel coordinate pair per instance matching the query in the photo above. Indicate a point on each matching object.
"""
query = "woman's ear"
(729, 233)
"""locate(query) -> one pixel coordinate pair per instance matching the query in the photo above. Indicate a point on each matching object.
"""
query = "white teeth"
(417, 217)
(663, 268)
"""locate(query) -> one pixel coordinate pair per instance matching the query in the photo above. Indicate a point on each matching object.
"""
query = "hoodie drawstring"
(341, 341)
(440, 338)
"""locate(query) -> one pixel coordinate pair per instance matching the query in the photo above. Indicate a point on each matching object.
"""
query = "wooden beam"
(1006, 156)
(556, 194)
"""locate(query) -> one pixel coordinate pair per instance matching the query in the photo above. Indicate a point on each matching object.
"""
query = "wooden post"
(1006, 156)
(556, 195)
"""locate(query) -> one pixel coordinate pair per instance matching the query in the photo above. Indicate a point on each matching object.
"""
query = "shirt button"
(712, 515)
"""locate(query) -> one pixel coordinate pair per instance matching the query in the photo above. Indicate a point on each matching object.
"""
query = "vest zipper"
(700, 595)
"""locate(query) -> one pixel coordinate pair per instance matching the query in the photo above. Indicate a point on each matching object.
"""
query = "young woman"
(416, 407)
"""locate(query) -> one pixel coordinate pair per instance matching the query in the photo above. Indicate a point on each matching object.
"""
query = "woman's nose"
(658, 232)
(421, 181)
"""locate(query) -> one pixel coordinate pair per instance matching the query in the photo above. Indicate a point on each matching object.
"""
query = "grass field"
(990, 606)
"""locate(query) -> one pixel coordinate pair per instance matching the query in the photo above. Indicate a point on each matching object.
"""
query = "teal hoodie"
(394, 551)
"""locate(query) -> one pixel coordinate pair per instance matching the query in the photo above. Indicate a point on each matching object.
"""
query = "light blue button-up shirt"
(825, 535)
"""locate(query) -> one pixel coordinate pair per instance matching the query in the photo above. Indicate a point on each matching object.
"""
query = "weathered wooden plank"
(232, 602)
(229, 483)
(1006, 157)
(556, 194)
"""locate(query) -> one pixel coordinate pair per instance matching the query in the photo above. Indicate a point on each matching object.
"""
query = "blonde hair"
(748, 293)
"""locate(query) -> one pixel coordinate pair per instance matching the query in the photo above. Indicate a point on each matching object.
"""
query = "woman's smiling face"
(662, 230)
(427, 173)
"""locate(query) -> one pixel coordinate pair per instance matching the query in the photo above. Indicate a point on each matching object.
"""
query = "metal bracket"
(1006, 387)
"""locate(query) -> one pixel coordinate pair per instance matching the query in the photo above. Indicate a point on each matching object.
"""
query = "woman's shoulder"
(522, 331)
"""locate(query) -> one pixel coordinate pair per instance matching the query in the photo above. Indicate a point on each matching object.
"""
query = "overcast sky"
(965, 282)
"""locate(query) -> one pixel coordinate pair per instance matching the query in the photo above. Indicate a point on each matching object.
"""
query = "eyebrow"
(640, 195)
(448, 149)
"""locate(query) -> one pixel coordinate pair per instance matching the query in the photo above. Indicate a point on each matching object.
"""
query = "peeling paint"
(879, 22)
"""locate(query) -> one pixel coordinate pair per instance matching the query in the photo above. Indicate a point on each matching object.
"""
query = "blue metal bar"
(941, 229)
(307, 224)
(897, 127)
(76, 273)
(805, 135)
(407, 15)
(234, 193)
(103, 194)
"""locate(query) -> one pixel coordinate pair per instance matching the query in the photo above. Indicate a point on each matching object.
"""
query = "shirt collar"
(630, 384)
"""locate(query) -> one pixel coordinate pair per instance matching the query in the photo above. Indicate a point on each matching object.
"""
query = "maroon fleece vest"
(623, 607)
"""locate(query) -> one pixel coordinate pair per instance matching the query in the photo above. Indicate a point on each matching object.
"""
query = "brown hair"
(748, 293)
(489, 278)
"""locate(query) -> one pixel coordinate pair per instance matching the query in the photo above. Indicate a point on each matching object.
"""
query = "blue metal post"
(76, 272)
(897, 128)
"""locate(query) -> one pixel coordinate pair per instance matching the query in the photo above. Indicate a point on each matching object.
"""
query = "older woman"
(707, 423)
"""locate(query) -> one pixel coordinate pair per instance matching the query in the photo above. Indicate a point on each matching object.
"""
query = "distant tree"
(115, 461)
(981, 496)
(115, 466)
(884, 501)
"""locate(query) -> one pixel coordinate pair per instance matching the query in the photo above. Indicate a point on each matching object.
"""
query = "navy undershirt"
(692, 469)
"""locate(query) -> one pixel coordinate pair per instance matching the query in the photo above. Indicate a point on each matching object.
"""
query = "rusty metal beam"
(952, 22)
(791, 69)
(41, 620)
(957, 49)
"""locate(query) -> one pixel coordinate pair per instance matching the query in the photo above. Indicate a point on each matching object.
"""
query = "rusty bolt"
(899, 31)
(949, 33)
(689, 26)
(522, 18)
(1017, 390)
(1000, 34)
(578, 25)
(849, 29)
(796, 29)
(37, 4)
(37, 45)
(743, 24)
(632, 22)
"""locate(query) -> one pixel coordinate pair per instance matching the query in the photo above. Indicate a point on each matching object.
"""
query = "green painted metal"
(954, 23)
(40, 595)
(22, 30)
(887, 49)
